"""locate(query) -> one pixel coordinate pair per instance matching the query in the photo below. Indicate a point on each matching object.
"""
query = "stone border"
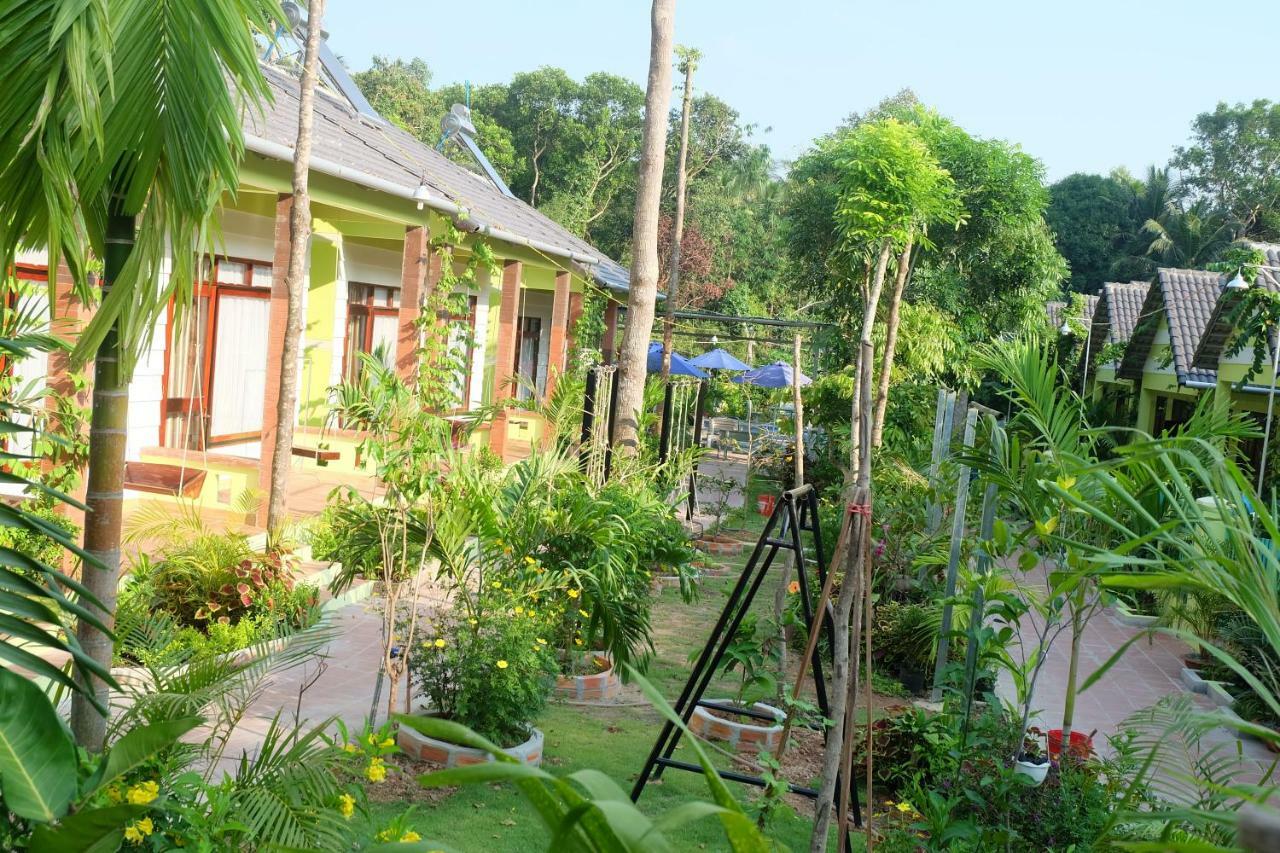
(720, 547)
(417, 745)
(742, 736)
(1125, 616)
(599, 687)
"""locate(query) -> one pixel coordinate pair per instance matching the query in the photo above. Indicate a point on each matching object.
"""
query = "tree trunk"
(890, 343)
(848, 617)
(1073, 668)
(644, 232)
(104, 495)
(299, 244)
(797, 458)
(689, 63)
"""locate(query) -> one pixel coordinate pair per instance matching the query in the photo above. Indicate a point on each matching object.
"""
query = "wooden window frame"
(210, 289)
(369, 309)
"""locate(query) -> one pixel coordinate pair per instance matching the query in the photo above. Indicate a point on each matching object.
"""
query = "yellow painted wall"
(320, 321)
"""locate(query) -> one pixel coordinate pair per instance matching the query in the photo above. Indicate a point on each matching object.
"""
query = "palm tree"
(643, 297)
(1189, 238)
(120, 131)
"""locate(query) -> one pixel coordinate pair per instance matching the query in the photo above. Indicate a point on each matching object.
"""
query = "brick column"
(275, 347)
(67, 317)
(608, 343)
(557, 354)
(505, 355)
(419, 272)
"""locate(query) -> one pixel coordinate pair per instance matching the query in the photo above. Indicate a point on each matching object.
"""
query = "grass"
(613, 739)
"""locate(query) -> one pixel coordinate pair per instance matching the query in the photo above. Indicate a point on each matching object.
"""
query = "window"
(216, 358)
(462, 346)
(373, 325)
(531, 378)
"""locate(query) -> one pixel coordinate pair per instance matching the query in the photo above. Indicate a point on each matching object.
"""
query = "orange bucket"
(1081, 744)
(765, 503)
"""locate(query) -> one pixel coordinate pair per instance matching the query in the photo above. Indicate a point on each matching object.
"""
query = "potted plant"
(1032, 761)
(753, 655)
(491, 671)
(904, 633)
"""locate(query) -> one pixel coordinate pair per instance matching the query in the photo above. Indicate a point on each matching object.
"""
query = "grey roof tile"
(1189, 300)
(390, 153)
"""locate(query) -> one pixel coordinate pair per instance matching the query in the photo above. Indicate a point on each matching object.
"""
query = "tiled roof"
(1189, 299)
(1116, 314)
(388, 153)
(1221, 326)
(1053, 310)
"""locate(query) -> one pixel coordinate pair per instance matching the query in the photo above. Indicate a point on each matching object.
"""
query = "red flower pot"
(764, 503)
(1081, 744)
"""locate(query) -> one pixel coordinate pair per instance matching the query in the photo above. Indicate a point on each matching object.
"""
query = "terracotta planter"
(598, 687)
(417, 745)
(746, 737)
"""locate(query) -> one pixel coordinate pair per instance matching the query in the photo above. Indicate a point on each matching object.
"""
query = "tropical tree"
(120, 131)
(891, 190)
(295, 276)
(643, 295)
(1189, 237)
(1091, 216)
(688, 63)
(1233, 162)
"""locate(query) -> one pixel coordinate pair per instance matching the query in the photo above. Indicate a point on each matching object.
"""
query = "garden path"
(1149, 670)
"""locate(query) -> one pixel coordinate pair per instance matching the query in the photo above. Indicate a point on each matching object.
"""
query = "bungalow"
(1118, 309)
(202, 411)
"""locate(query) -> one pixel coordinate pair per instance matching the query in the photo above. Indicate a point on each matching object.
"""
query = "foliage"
(587, 810)
(755, 658)
(491, 672)
(904, 636)
(1091, 216)
(1231, 162)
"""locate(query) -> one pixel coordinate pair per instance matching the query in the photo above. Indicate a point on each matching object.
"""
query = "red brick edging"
(599, 687)
(745, 737)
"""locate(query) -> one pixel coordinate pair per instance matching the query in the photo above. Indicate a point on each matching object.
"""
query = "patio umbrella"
(776, 375)
(680, 366)
(718, 359)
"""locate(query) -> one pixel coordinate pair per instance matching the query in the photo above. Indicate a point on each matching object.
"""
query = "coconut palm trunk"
(688, 62)
(299, 245)
(104, 496)
(644, 233)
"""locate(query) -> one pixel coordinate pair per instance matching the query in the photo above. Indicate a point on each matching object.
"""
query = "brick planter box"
(417, 745)
(720, 546)
(600, 687)
(745, 737)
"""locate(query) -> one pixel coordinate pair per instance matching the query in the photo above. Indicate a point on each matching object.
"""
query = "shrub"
(904, 636)
(38, 547)
(491, 672)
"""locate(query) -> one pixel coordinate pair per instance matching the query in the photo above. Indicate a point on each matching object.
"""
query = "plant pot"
(597, 687)
(1193, 661)
(1081, 744)
(711, 724)
(417, 745)
(765, 503)
(1034, 771)
(720, 545)
(912, 679)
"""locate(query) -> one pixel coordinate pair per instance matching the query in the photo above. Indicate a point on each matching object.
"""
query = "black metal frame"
(797, 511)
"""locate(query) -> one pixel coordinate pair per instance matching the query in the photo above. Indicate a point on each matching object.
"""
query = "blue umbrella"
(680, 366)
(718, 359)
(776, 375)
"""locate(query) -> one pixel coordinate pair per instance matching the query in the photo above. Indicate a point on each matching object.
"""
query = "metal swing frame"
(795, 513)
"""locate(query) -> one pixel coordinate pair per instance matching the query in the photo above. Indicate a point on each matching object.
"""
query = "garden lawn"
(613, 739)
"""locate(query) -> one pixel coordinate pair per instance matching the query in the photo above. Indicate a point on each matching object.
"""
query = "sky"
(1084, 86)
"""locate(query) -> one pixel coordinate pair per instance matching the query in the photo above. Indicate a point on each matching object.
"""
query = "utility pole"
(688, 62)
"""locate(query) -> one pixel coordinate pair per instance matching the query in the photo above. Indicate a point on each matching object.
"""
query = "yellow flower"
(384, 835)
(577, 641)
(141, 795)
(584, 614)
(573, 593)
(502, 664)
(387, 743)
(350, 747)
(347, 805)
(905, 807)
(541, 642)
(497, 584)
(440, 643)
(474, 621)
(530, 560)
(1065, 483)
(519, 610)
(138, 830)
(376, 771)
(113, 794)
(410, 837)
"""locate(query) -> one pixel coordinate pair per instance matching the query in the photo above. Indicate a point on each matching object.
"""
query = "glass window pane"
(231, 272)
(262, 275)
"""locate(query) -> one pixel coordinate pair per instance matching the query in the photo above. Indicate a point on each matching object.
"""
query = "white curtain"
(386, 329)
(240, 365)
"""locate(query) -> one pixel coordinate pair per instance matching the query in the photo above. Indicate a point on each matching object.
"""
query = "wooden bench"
(160, 479)
(316, 454)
